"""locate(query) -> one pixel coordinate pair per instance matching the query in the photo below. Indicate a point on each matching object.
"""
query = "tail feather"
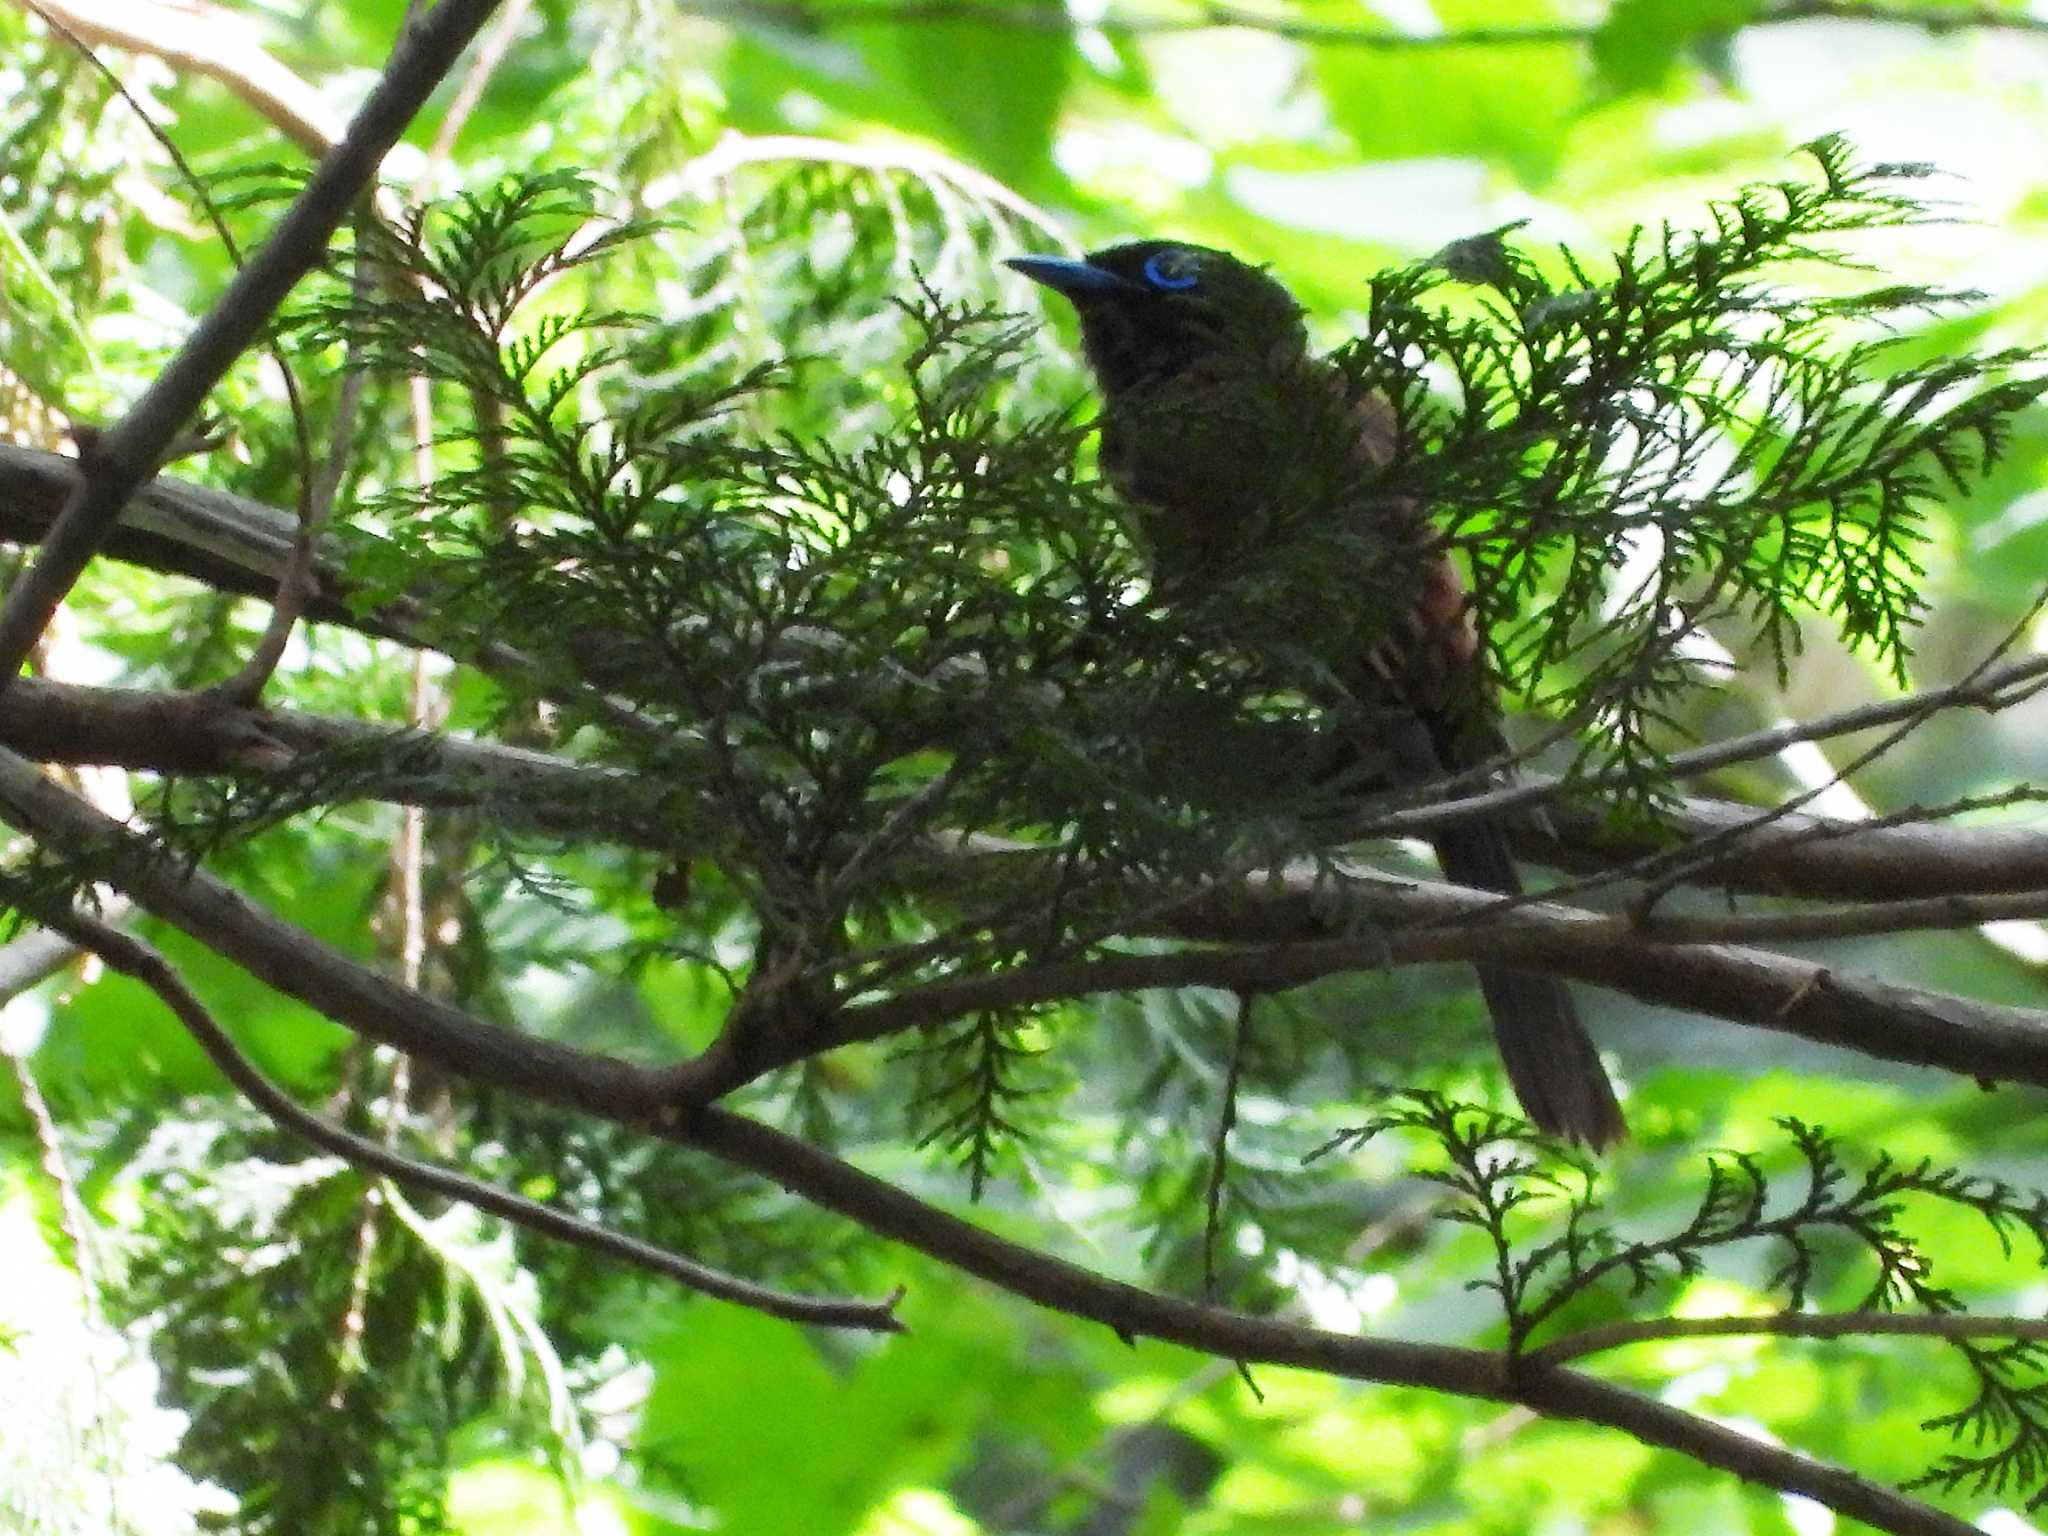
(1550, 1059)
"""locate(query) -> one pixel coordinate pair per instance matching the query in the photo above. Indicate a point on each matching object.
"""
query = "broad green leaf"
(991, 94)
(1640, 40)
(1506, 103)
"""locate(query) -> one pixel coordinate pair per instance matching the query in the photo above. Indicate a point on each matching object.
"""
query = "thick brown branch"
(1133, 1312)
(1128, 1309)
(228, 542)
(1801, 855)
(205, 733)
(317, 974)
(1418, 922)
(128, 455)
(301, 967)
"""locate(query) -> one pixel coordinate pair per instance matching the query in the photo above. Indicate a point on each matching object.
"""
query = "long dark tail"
(1550, 1058)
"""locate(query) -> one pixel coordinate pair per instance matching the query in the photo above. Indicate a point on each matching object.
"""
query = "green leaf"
(991, 93)
(1640, 40)
(1507, 103)
(822, 1441)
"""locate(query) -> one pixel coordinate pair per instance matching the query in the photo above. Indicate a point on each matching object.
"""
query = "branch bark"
(1415, 921)
(196, 38)
(202, 733)
(301, 966)
(1419, 922)
(228, 542)
(129, 453)
(1133, 1312)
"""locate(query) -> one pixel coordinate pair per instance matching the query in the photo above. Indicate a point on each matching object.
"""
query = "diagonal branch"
(134, 958)
(303, 967)
(129, 453)
(195, 37)
(1133, 1312)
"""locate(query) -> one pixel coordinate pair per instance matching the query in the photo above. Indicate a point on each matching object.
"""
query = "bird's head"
(1152, 307)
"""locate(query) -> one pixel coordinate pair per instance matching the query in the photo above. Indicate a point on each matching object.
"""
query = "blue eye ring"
(1170, 271)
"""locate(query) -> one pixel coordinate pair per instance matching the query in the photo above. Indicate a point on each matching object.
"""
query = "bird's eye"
(1170, 271)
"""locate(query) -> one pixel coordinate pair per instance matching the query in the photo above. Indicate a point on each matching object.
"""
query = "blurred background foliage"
(202, 1327)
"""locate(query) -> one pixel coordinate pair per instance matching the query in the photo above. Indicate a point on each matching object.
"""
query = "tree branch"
(1571, 1395)
(228, 542)
(1418, 922)
(317, 974)
(1132, 1312)
(202, 733)
(128, 455)
(1811, 856)
(300, 966)
(236, 545)
(2011, 684)
(1789, 1325)
(1211, 15)
(196, 38)
(134, 958)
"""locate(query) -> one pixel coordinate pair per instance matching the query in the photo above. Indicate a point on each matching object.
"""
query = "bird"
(1231, 440)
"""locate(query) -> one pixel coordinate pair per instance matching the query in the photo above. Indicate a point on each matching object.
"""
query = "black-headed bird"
(1231, 440)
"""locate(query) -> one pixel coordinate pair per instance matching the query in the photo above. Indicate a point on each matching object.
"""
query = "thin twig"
(300, 581)
(2008, 686)
(216, 43)
(132, 957)
(713, 170)
(1669, 871)
(1842, 922)
(296, 586)
(1210, 15)
(1219, 1144)
(491, 53)
(1788, 1325)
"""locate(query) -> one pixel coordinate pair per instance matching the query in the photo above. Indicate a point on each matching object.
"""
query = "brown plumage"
(1227, 436)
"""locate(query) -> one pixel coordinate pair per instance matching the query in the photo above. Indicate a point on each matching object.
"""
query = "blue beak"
(1068, 275)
